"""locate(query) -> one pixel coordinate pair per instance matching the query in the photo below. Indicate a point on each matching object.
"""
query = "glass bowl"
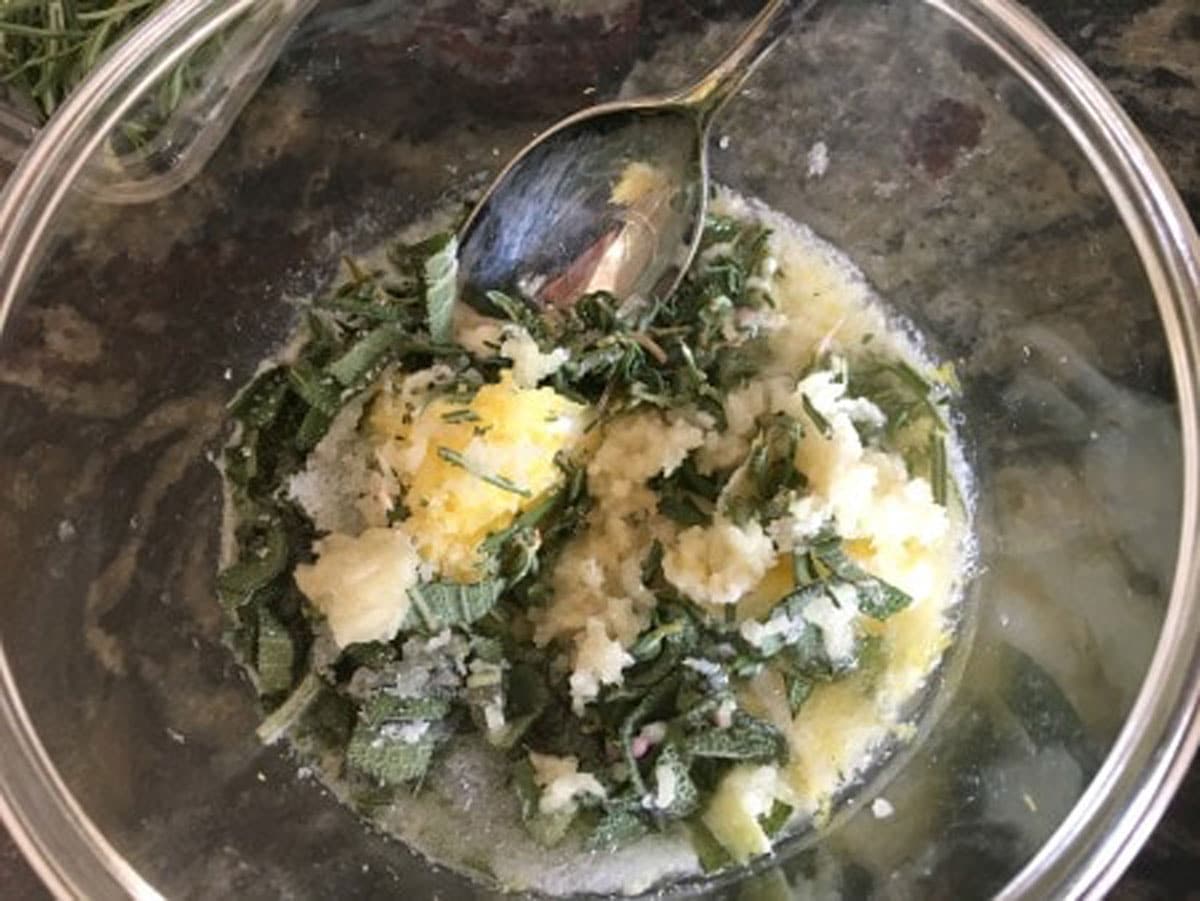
(982, 179)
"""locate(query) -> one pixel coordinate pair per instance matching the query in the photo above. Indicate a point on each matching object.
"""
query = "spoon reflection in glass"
(612, 198)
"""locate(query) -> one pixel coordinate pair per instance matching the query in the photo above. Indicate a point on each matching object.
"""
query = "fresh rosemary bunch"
(47, 47)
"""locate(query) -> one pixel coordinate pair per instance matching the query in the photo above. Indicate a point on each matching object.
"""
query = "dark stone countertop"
(1148, 53)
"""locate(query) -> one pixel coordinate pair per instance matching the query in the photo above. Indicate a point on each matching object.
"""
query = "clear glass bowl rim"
(1116, 813)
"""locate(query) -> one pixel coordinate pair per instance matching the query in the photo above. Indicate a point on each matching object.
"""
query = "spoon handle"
(711, 92)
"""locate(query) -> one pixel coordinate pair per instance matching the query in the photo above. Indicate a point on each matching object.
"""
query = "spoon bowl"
(611, 199)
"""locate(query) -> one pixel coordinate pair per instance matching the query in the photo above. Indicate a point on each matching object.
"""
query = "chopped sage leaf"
(440, 279)
(675, 794)
(618, 826)
(437, 605)
(383, 708)
(776, 819)
(394, 740)
(762, 487)
(876, 598)
(390, 762)
(276, 654)
(263, 559)
(464, 414)
(798, 690)
(748, 738)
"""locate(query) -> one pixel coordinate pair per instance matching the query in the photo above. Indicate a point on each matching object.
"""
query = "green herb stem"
(287, 714)
(454, 458)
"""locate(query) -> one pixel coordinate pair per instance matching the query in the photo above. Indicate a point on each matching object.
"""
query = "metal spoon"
(612, 198)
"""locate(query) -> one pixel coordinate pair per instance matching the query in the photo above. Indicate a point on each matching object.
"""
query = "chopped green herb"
(876, 598)
(365, 356)
(686, 496)
(619, 826)
(312, 429)
(816, 417)
(461, 415)
(661, 737)
(911, 403)
(318, 389)
(673, 786)
(391, 762)
(47, 47)
(440, 283)
(287, 714)
(712, 853)
(939, 474)
(519, 313)
(747, 738)
(548, 829)
(778, 817)
(437, 605)
(394, 740)
(264, 557)
(807, 568)
(798, 690)
(258, 404)
(526, 698)
(763, 486)
(454, 458)
(276, 657)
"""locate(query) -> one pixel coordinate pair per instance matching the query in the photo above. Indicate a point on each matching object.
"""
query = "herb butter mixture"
(661, 580)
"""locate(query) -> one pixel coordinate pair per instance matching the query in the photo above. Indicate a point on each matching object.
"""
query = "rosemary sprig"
(47, 47)
(454, 458)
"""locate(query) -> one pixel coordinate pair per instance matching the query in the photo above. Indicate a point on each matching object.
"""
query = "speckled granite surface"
(1148, 52)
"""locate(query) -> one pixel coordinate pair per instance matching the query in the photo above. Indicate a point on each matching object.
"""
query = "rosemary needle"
(47, 47)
